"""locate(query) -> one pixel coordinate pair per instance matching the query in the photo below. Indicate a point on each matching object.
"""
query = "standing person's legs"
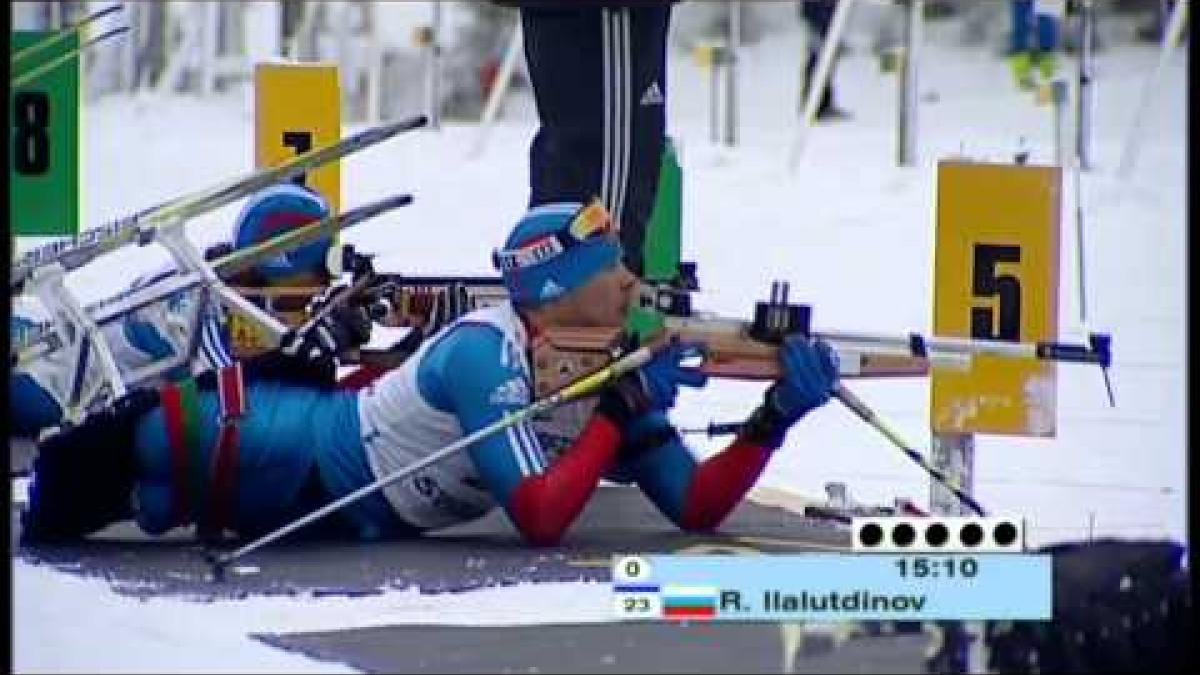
(1047, 33)
(645, 99)
(563, 54)
(599, 79)
(1021, 43)
(1022, 24)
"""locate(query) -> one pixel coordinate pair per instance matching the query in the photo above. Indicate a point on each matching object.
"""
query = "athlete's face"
(605, 299)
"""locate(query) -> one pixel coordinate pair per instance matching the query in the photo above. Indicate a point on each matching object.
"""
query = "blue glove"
(655, 385)
(663, 375)
(810, 373)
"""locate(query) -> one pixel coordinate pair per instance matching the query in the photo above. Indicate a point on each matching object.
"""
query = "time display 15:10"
(933, 568)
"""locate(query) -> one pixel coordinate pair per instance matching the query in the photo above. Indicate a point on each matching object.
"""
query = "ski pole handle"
(610, 373)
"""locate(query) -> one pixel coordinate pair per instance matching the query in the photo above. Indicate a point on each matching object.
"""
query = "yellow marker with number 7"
(297, 107)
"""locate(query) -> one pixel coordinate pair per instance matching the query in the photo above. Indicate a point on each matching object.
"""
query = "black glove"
(346, 326)
(654, 386)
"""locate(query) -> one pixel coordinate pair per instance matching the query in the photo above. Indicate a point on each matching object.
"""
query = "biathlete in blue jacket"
(301, 445)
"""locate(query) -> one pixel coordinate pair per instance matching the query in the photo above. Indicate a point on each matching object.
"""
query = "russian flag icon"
(689, 602)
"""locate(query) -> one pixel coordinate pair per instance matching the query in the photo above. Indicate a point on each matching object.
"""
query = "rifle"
(735, 348)
(749, 350)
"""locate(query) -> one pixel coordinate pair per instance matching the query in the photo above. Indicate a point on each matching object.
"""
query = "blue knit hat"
(554, 249)
(275, 210)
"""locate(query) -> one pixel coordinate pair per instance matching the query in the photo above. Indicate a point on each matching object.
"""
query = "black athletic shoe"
(83, 478)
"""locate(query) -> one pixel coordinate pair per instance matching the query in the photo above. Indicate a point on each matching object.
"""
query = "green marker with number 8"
(44, 164)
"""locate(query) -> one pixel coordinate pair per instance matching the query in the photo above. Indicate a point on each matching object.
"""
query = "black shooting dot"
(1005, 534)
(904, 534)
(971, 534)
(870, 535)
(936, 534)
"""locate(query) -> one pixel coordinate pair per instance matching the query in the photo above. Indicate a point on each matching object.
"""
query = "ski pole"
(28, 76)
(859, 408)
(63, 34)
(864, 412)
(576, 389)
(715, 429)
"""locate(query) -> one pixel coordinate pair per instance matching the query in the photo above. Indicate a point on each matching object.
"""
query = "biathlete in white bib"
(301, 444)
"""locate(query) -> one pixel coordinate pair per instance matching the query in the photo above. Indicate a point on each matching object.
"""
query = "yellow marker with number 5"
(996, 277)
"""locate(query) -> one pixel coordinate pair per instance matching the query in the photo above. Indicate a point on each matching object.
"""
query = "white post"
(128, 49)
(28, 16)
(296, 47)
(55, 18)
(714, 94)
(374, 58)
(906, 120)
(1058, 96)
(954, 455)
(433, 69)
(262, 30)
(841, 17)
(731, 65)
(210, 46)
(1169, 41)
(176, 56)
(349, 70)
(499, 86)
(1080, 250)
(1084, 95)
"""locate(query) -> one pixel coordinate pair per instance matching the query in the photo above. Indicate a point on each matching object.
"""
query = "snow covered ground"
(851, 231)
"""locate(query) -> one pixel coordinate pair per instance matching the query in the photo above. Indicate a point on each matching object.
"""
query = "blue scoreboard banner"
(833, 587)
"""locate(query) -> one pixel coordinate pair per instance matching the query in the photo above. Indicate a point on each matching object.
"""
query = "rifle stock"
(563, 354)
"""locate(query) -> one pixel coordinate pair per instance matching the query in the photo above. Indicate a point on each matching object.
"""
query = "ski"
(42, 339)
(248, 257)
(142, 226)
(41, 69)
(63, 34)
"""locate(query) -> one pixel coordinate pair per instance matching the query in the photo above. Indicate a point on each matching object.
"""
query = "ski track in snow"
(851, 232)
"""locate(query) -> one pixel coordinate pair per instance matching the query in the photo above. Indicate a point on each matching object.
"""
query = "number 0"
(632, 569)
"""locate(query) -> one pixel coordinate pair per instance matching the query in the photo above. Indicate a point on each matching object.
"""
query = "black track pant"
(599, 79)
